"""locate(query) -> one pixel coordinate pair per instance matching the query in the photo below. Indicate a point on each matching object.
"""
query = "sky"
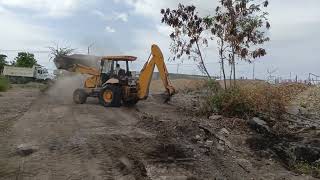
(116, 27)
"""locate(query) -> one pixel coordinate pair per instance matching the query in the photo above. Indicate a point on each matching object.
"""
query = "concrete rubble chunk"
(26, 149)
(259, 125)
(215, 117)
(198, 137)
(224, 131)
(223, 141)
(209, 143)
(220, 147)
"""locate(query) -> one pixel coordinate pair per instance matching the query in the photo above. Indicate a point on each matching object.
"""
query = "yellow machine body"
(139, 90)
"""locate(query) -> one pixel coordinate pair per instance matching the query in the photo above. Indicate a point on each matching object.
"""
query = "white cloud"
(22, 36)
(18, 34)
(151, 8)
(114, 16)
(47, 8)
(3, 10)
(99, 14)
(122, 16)
(164, 29)
(110, 29)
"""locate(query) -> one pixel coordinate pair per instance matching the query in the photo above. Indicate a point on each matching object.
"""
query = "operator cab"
(116, 67)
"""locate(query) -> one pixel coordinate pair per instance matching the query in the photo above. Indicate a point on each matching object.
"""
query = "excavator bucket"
(160, 98)
(67, 62)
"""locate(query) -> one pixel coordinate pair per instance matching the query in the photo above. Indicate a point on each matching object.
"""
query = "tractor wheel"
(79, 96)
(110, 96)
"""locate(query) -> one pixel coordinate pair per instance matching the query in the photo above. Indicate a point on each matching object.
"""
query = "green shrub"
(214, 86)
(306, 168)
(4, 84)
(231, 102)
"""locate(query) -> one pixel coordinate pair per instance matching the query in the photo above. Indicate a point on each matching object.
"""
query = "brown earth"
(150, 141)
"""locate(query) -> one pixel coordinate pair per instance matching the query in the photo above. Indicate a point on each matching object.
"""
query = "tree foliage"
(3, 61)
(25, 59)
(240, 27)
(188, 33)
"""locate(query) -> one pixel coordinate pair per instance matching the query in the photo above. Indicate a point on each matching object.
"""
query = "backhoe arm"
(147, 72)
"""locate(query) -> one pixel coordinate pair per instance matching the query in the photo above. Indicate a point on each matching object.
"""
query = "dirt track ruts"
(73, 141)
(144, 142)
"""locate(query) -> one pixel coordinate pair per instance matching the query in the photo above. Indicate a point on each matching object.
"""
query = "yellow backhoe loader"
(114, 86)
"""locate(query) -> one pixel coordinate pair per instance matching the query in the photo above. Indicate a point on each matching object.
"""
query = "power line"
(31, 51)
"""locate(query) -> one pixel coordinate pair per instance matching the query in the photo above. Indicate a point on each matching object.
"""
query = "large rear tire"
(110, 96)
(79, 96)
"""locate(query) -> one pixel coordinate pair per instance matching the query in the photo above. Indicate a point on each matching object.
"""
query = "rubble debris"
(294, 152)
(224, 131)
(290, 149)
(215, 117)
(221, 139)
(220, 147)
(26, 149)
(198, 137)
(170, 153)
(259, 125)
(132, 167)
(66, 62)
(244, 164)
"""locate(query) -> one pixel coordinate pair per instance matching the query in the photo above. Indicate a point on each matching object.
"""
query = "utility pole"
(178, 65)
(90, 47)
(253, 71)
(290, 77)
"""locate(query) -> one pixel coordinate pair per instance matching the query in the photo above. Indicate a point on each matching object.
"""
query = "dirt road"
(149, 141)
(72, 141)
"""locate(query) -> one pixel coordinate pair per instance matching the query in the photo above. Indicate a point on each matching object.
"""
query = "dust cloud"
(62, 89)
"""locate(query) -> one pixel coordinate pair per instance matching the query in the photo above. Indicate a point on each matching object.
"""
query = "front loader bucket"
(67, 62)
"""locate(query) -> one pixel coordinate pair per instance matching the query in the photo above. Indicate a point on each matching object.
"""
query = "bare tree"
(188, 33)
(57, 52)
(220, 34)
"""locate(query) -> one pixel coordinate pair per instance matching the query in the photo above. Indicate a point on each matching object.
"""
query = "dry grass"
(178, 84)
(251, 99)
(305, 168)
(242, 82)
(310, 100)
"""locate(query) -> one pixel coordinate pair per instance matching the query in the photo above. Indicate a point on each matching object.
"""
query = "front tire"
(79, 96)
(110, 96)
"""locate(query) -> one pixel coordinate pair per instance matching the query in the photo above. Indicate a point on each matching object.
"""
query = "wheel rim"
(107, 96)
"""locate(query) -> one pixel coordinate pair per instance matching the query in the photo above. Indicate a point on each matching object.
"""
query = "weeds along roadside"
(4, 84)
(249, 99)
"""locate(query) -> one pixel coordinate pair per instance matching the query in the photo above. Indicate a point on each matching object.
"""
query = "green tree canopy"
(3, 61)
(25, 59)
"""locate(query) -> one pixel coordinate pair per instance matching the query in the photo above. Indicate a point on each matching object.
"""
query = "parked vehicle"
(25, 75)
